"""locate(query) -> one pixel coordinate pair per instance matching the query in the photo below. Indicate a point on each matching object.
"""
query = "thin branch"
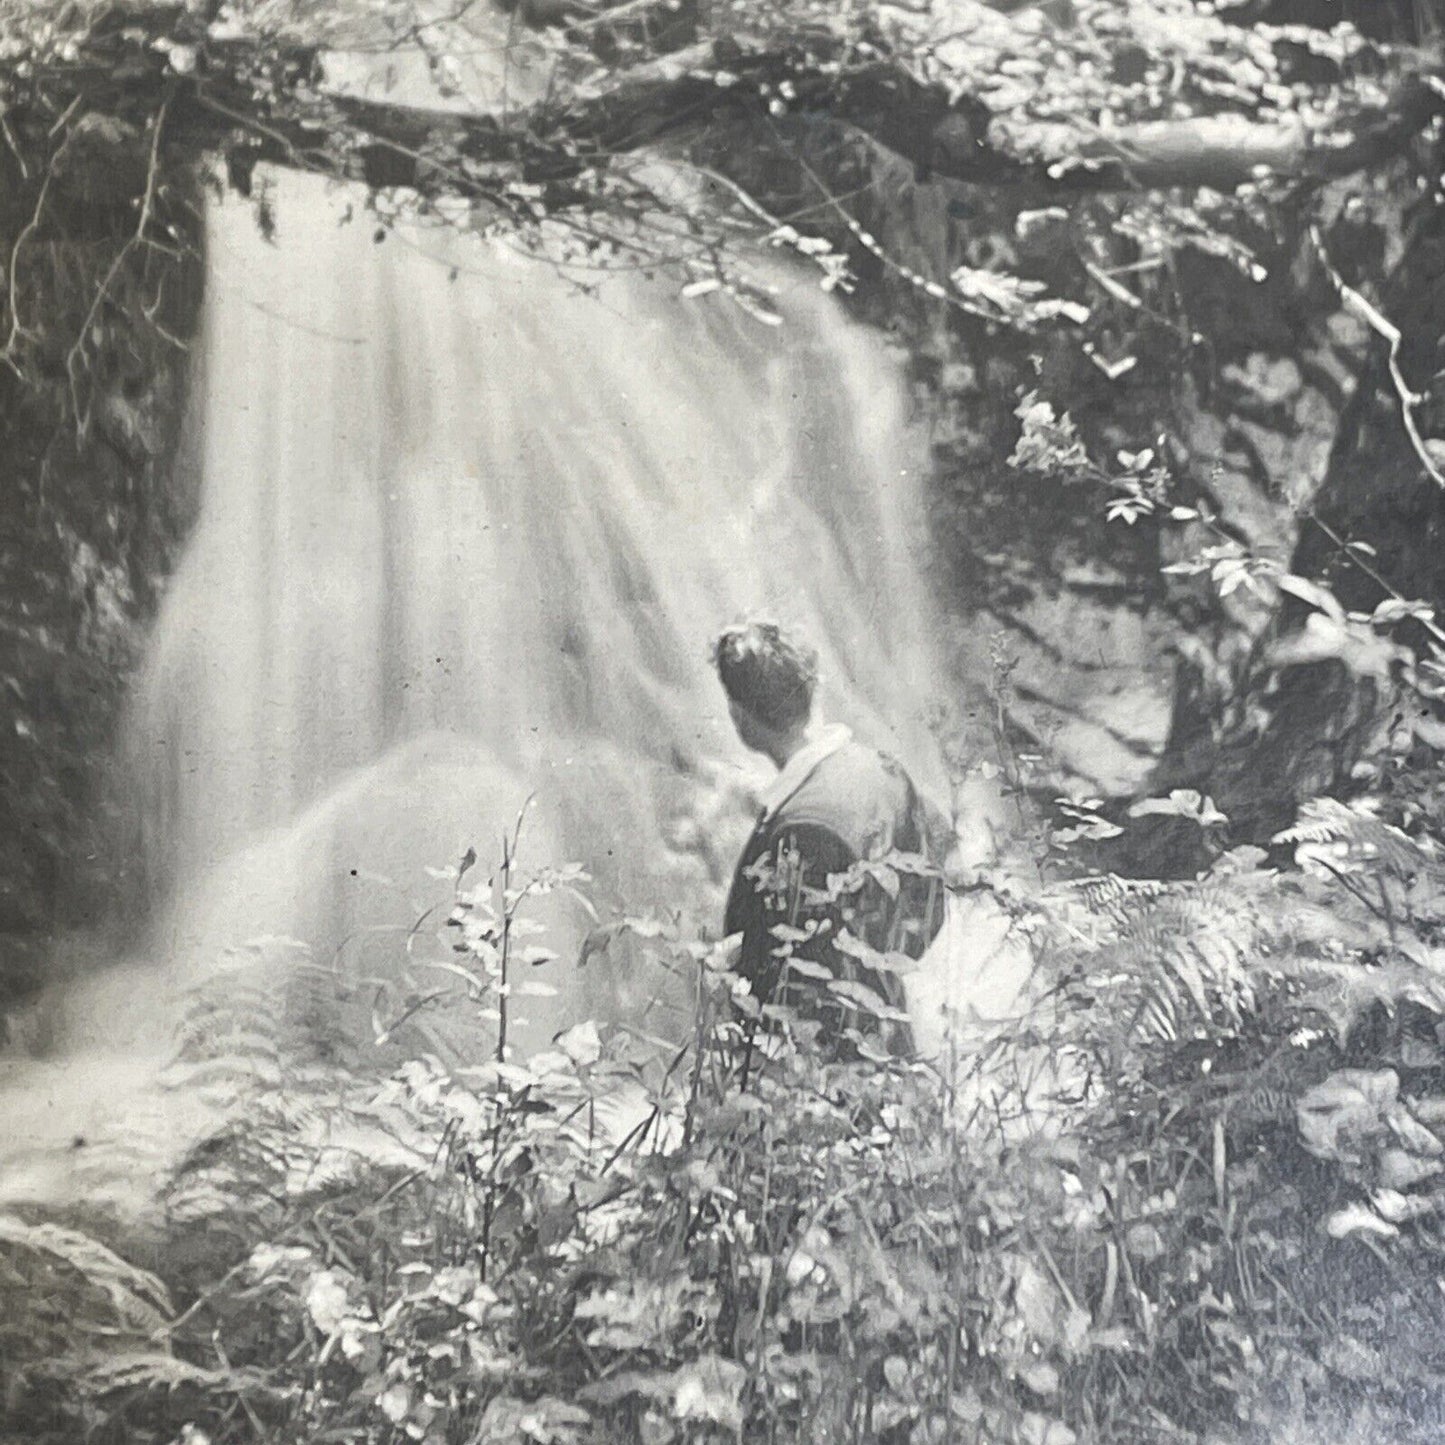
(76, 353)
(14, 147)
(17, 329)
(291, 153)
(935, 289)
(1374, 574)
(932, 124)
(1383, 327)
(64, 117)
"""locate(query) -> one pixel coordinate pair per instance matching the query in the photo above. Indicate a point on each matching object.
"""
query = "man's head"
(769, 679)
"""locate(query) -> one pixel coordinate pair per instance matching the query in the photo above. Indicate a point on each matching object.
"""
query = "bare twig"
(14, 148)
(76, 353)
(1374, 574)
(17, 329)
(1357, 305)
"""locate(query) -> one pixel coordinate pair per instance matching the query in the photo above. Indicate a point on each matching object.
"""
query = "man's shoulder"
(855, 792)
(856, 764)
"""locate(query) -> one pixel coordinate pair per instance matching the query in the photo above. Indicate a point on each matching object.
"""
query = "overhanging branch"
(274, 104)
(951, 139)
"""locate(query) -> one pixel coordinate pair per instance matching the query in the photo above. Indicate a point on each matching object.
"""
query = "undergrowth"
(1192, 1194)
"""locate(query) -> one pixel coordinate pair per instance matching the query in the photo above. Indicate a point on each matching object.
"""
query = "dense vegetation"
(1170, 270)
(1192, 1194)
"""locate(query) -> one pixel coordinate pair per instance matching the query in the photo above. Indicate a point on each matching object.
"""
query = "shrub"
(1193, 1193)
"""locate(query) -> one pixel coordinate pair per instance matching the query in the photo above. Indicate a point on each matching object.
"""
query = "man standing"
(835, 804)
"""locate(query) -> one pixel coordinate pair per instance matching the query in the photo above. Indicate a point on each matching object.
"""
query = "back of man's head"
(768, 673)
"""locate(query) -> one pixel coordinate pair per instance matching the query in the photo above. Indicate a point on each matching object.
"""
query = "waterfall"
(466, 529)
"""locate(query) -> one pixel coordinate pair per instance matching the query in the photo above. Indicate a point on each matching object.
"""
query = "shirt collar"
(795, 772)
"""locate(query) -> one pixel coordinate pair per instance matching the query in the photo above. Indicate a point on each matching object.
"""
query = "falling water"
(465, 533)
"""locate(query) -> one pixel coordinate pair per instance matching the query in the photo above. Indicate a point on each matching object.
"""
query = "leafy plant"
(1153, 1207)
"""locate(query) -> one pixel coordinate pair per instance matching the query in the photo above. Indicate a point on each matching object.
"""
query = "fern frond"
(1321, 820)
(1364, 837)
(154, 1370)
(1108, 891)
(1181, 955)
(139, 1298)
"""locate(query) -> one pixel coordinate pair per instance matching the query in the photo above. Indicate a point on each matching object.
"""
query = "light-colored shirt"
(796, 771)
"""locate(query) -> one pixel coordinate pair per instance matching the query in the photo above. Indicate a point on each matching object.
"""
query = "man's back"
(862, 796)
(833, 804)
(853, 804)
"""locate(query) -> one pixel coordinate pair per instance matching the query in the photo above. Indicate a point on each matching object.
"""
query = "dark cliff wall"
(91, 395)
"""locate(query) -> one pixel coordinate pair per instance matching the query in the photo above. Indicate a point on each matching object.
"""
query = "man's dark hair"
(767, 672)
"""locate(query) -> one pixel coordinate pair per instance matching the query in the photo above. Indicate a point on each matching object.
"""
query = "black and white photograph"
(722, 722)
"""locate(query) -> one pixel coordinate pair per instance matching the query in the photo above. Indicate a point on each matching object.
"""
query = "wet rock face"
(1116, 677)
(1125, 678)
(1333, 461)
(1259, 739)
(89, 521)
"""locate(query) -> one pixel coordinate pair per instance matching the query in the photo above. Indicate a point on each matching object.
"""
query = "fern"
(140, 1370)
(1361, 838)
(1108, 893)
(139, 1299)
(1180, 955)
